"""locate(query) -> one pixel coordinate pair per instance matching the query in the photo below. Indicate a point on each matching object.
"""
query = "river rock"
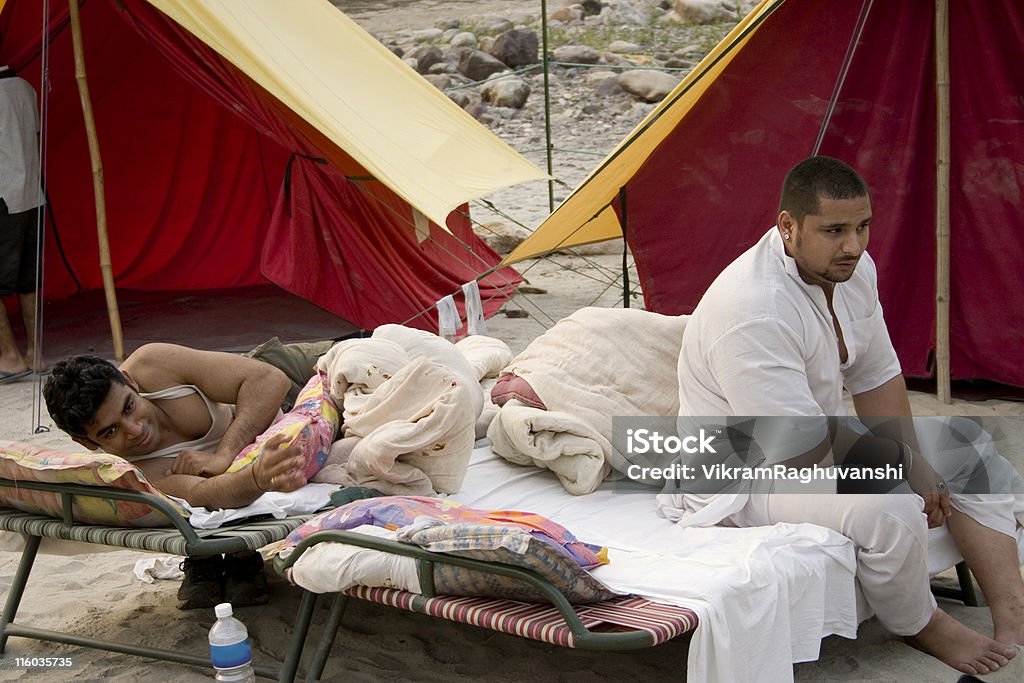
(427, 35)
(439, 81)
(427, 57)
(505, 92)
(704, 11)
(495, 26)
(516, 48)
(463, 39)
(648, 85)
(623, 47)
(577, 54)
(479, 65)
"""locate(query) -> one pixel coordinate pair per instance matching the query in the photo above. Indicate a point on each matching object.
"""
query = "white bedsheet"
(765, 596)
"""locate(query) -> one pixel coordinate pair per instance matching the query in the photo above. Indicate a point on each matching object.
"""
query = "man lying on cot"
(181, 416)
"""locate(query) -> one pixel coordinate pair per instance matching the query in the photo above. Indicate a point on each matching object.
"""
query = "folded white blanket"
(596, 364)
(553, 440)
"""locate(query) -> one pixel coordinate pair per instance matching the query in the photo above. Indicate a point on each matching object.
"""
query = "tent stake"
(97, 182)
(942, 370)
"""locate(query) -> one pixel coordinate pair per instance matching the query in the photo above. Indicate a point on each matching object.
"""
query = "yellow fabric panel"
(585, 216)
(360, 96)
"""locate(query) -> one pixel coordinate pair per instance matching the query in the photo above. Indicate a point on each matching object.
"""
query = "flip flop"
(6, 377)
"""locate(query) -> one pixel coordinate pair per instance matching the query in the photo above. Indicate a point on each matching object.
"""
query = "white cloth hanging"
(448, 320)
(474, 308)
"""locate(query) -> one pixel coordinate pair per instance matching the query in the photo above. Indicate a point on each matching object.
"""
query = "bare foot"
(960, 647)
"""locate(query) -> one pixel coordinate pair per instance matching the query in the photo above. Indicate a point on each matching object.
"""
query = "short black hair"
(816, 178)
(76, 389)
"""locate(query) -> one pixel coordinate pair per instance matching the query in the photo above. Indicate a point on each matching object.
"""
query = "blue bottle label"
(228, 656)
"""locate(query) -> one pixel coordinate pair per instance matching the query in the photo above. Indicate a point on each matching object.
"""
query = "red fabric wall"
(194, 157)
(712, 187)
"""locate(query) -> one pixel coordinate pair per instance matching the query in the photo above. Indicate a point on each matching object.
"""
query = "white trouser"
(891, 535)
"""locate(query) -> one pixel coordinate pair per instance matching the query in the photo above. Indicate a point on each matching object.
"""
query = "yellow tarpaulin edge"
(586, 215)
(357, 93)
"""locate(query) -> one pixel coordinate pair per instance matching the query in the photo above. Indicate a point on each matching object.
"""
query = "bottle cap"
(223, 610)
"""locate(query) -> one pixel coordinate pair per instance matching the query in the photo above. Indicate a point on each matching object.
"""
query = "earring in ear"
(786, 236)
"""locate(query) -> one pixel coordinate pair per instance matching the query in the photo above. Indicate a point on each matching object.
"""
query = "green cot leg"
(28, 558)
(302, 620)
(323, 650)
(963, 575)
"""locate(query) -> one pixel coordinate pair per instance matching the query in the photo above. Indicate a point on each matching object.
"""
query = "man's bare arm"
(255, 388)
(280, 468)
(885, 410)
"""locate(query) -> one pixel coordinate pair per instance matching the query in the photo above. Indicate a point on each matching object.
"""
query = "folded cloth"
(278, 504)
(150, 569)
(593, 365)
(416, 432)
(557, 441)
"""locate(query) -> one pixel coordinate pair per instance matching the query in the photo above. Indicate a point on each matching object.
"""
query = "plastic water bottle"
(229, 647)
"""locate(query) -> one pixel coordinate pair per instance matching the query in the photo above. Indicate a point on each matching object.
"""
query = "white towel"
(474, 308)
(448, 320)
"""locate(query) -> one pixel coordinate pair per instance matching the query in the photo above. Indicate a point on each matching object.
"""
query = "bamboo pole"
(942, 157)
(97, 182)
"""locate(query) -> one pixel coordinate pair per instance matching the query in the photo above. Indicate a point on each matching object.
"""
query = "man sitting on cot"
(181, 416)
(781, 332)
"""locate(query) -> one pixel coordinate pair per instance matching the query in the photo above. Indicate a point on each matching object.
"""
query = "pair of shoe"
(236, 578)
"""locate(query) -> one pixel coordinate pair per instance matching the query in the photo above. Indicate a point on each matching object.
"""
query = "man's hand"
(926, 482)
(200, 463)
(280, 467)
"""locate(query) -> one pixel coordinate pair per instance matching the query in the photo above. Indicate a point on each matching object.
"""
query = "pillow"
(510, 387)
(27, 462)
(313, 422)
(511, 537)
(507, 545)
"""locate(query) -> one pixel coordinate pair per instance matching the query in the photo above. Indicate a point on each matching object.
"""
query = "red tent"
(212, 183)
(710, 186)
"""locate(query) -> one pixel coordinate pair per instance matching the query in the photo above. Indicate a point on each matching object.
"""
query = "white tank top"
(221, 415)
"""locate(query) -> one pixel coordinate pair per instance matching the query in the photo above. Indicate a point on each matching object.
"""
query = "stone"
(427, 35)
(623, 47)
(577, 54)
(459, 97)
(516, 48)
(591, 8)
(495, 26)
(442, 67)
(598, 76)
(648, 85)
(486, 43)
(445, 24)
(609, 87)
(463, 39)
(427, 57)
(704, 11)
(568, 15)
(505, 92)
(439, 81)
(479, 65)
(677, 63)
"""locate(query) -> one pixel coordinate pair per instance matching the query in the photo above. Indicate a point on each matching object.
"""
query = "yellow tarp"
(360, 96)
(586, 215)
